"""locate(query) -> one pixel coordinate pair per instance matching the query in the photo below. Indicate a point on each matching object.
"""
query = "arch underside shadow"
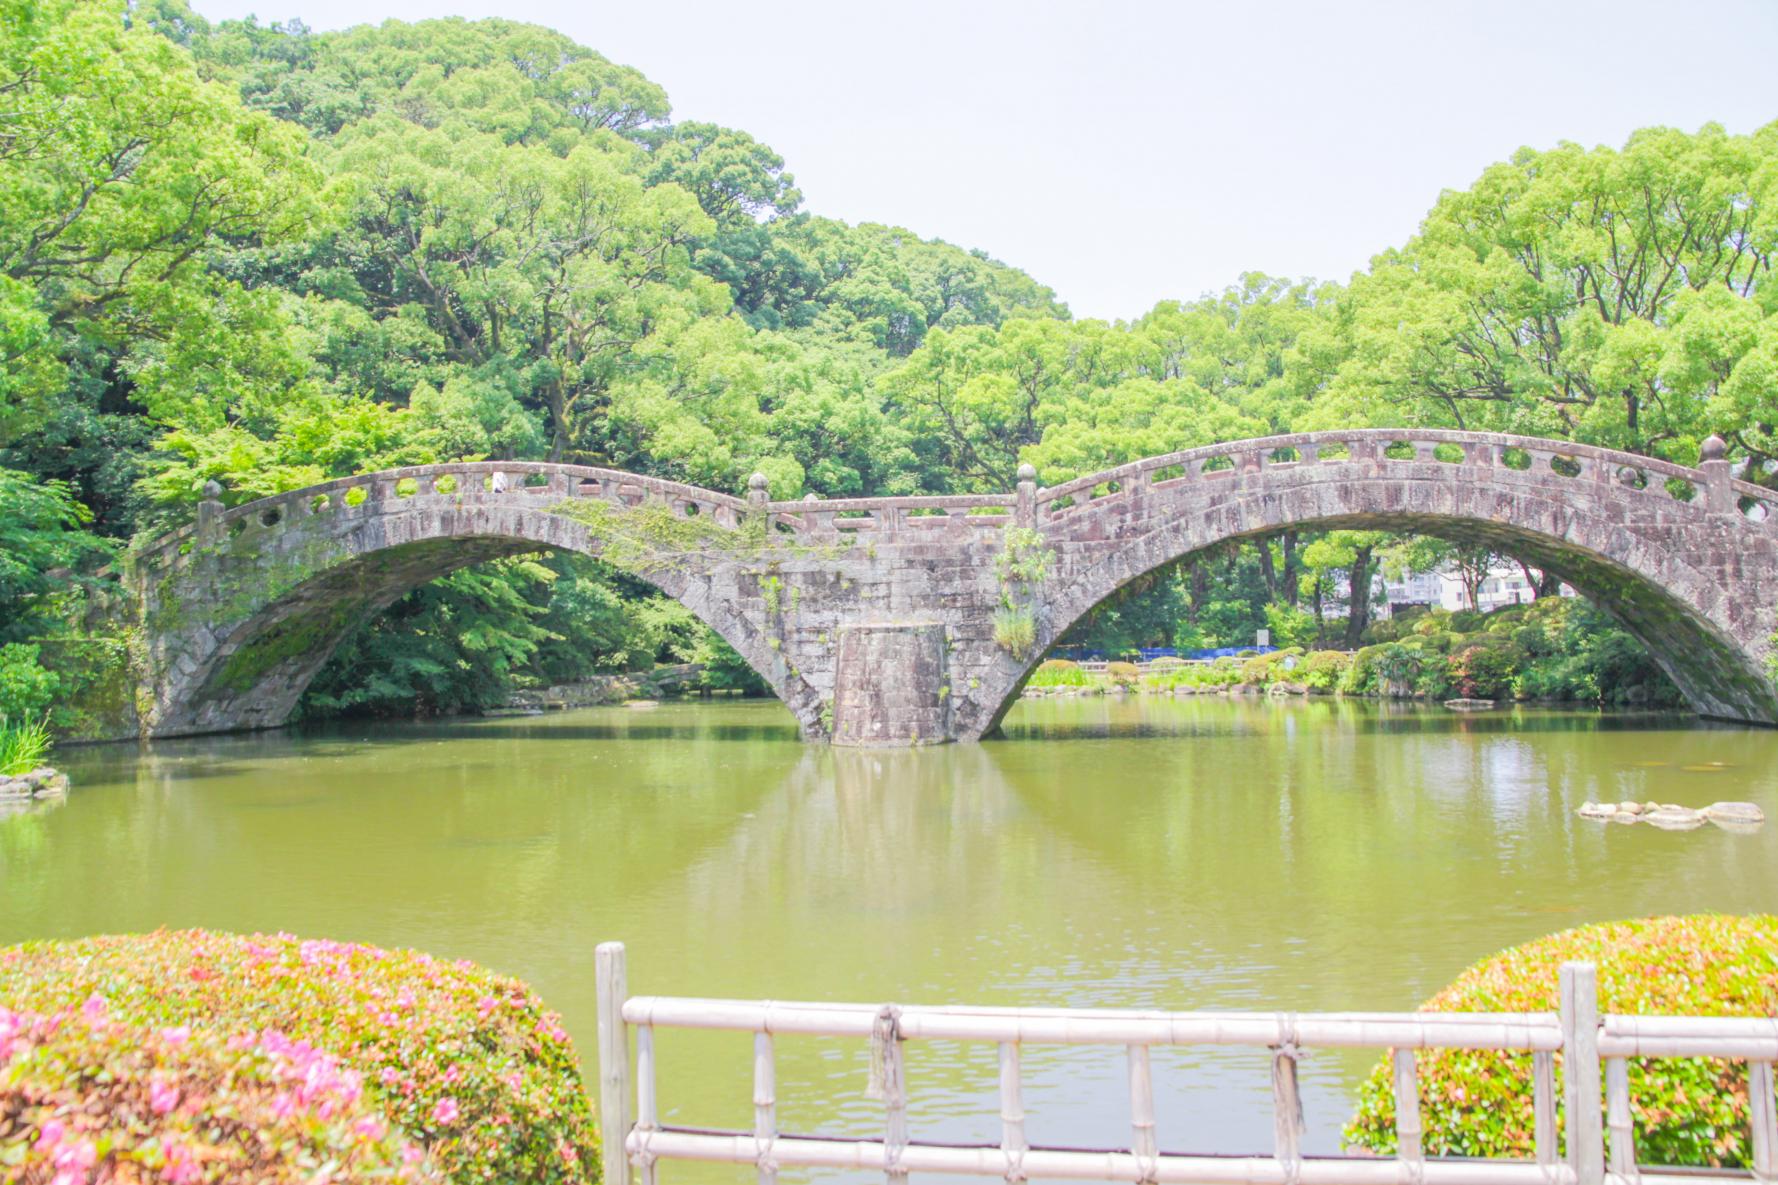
(256, 675)
(1715, 675)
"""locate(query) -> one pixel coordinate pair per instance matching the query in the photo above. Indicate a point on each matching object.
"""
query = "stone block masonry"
(901, 621)
(892, 685)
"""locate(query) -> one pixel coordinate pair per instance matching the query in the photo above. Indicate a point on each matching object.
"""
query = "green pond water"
(1149, 853)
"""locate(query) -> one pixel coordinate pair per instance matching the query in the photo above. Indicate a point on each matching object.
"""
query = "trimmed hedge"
(462, 1064)
(1123, 674)
(1059, 672)
(1688, 1111)
(1324, 669)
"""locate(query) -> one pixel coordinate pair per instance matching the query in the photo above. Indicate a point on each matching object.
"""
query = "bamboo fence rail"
(1600, 1145)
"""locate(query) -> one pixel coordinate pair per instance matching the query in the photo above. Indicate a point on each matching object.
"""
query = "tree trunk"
(1287, 552)
(1532, 578)
(1315, 607)
(1358, 616)
(1267, 570)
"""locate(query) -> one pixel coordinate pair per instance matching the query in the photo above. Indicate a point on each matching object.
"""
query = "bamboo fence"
(1600, 1147)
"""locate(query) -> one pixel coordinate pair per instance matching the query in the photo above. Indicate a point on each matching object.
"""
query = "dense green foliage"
(264, 256)
(1687, 1111)
(1556, 648)
(465, 1066)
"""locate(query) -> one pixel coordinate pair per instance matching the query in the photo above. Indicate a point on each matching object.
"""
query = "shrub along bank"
(169, 1051)
(1556, 649)
(1687, 1111)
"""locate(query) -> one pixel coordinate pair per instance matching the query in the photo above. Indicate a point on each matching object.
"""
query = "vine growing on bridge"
(1023, 564)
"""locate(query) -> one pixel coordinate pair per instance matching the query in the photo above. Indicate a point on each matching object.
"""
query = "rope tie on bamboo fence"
(643, 1157)
(886, 1083)
(886, 1028)
(763, 1158)
(1287, 1101)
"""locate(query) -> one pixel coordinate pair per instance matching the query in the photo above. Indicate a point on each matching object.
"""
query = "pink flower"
(390, 1077)
(453, 1075)
(412, 1155)
(182, 1166)
(72, 1160)
(95, 1009)
(486, 1005)
(369, 1128)
(446, 1111)
(283, 1105)
(405, 999)
(176, 1036)
(49, 1135)
(163, 1096)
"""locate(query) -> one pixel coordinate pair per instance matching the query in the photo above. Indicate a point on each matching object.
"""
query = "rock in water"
(1596, 810)
(1734, 812)
(1674, 819)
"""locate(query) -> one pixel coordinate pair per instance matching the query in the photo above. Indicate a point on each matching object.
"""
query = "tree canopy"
(265, 256)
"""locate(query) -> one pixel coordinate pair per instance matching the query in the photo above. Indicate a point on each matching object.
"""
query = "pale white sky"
(1124, 151)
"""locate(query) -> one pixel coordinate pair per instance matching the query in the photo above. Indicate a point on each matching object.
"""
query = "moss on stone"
(292, 638)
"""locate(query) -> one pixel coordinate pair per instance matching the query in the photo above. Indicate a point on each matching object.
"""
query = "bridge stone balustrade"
(873, 619)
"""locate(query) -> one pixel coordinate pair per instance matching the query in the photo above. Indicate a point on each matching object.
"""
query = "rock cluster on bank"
(42, 782)
(1733, 816)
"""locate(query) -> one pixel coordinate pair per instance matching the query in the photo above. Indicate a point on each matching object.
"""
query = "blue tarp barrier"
(1149, 654)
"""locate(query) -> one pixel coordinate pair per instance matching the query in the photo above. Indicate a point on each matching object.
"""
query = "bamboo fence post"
(614, 1061)
(1012, 1111)
(1579, 984)
(895, 1129)
(1764, 1120)
(1142, 1139)
(765, 1100)
(1543, 1104)
(1287, 1104)
(1618, 1118)
(647, 1122)
(1407, 1110)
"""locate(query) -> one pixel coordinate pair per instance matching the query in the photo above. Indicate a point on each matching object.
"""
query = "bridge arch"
(243, 609)
(1684, 558)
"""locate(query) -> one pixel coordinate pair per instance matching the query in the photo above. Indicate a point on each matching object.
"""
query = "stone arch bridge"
(874, 619)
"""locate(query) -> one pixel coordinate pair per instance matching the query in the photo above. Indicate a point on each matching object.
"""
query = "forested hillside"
(263, 256)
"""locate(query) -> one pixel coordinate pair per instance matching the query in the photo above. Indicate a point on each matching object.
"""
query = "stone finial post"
(1025, 509)
(1718, 482)
(757, 495)
(209, 513)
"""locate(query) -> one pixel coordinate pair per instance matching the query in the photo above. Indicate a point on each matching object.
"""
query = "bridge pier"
(892, 686)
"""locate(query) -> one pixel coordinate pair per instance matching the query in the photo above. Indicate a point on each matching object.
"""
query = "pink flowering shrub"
(1687, 1111)
(84, 1097)
(417, 1068)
